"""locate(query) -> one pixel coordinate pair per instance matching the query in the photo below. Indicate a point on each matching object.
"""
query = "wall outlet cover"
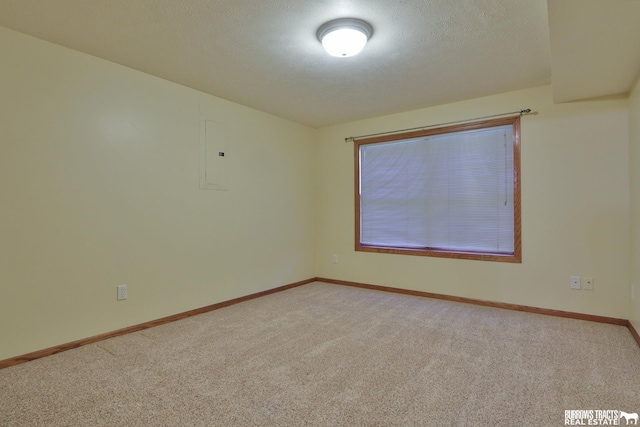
(575, 282)
(122, 292)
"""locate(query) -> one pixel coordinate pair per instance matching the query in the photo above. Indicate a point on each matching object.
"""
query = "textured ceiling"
(264, 53)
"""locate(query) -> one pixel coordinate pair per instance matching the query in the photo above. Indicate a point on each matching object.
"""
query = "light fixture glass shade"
(344, 42)
(344, 37)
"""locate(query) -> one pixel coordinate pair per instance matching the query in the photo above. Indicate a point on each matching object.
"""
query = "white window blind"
(451, 191)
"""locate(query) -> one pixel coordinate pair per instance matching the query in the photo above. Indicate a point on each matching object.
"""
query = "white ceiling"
(264, 53)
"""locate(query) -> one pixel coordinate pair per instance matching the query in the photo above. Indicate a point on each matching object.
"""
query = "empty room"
(225, 214)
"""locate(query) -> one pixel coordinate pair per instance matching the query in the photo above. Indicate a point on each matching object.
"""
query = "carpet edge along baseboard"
(634, 332)
(545, 311)
(96, 338)
(504, 305)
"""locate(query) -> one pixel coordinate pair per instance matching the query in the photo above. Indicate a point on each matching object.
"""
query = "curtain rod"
(519, 112)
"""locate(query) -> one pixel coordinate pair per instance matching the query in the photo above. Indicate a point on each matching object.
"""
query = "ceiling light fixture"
(345, 36)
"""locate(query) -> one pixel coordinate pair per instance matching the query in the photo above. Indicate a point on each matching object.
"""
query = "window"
(448, 192)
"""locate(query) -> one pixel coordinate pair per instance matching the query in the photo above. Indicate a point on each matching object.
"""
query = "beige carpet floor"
(325, 355)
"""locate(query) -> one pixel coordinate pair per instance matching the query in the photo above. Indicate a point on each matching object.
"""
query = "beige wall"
(99, 186)
(575, 208)
(634, 137)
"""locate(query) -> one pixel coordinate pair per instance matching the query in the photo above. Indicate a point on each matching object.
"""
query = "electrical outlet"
(633, 292)
(335, 259)
(575, 282)
(587, 283)
(122, 292)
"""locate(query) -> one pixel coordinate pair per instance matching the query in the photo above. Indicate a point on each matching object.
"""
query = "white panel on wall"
(213, 156)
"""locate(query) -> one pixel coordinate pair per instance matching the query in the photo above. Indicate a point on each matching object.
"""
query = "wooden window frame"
(516, 257)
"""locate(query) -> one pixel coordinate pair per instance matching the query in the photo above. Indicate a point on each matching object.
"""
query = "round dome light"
(344, 37)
